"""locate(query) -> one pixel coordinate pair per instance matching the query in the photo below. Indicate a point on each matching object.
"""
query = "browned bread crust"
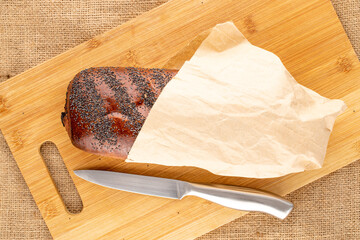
(106, 107)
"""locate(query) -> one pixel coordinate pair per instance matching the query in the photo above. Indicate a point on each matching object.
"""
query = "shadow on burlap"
(34, 31)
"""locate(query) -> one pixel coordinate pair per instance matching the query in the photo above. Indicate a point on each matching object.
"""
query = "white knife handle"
(240, 198)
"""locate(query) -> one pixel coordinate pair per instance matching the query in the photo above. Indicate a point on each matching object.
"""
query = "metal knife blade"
(154, 186)
(240, 198)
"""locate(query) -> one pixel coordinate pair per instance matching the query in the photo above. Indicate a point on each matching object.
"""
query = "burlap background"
(34, 31)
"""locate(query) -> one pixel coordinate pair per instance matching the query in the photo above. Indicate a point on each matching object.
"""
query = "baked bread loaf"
(106, 107)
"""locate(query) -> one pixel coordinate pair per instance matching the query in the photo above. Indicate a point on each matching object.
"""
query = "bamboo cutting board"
(306, 35)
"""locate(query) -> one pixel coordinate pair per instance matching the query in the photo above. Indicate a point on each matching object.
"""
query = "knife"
(240, 198)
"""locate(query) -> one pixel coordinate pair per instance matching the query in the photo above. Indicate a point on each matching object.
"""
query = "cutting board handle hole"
(61, 177)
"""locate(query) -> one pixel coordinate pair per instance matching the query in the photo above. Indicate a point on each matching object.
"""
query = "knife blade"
(240, 198)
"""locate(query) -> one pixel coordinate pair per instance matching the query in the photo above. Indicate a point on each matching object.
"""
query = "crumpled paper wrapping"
(235, 110)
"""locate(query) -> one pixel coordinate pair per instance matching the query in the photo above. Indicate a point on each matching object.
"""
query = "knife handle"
(241, 198)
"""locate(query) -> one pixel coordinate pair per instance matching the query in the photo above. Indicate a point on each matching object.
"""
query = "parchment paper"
(235, 110)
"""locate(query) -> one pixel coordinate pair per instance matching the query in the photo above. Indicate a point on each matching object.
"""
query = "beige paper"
(235, 110)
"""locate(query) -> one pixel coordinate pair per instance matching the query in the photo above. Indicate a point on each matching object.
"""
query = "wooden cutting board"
(306, 35)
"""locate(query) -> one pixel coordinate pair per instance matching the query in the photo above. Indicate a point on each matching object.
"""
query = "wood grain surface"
(306, 35)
